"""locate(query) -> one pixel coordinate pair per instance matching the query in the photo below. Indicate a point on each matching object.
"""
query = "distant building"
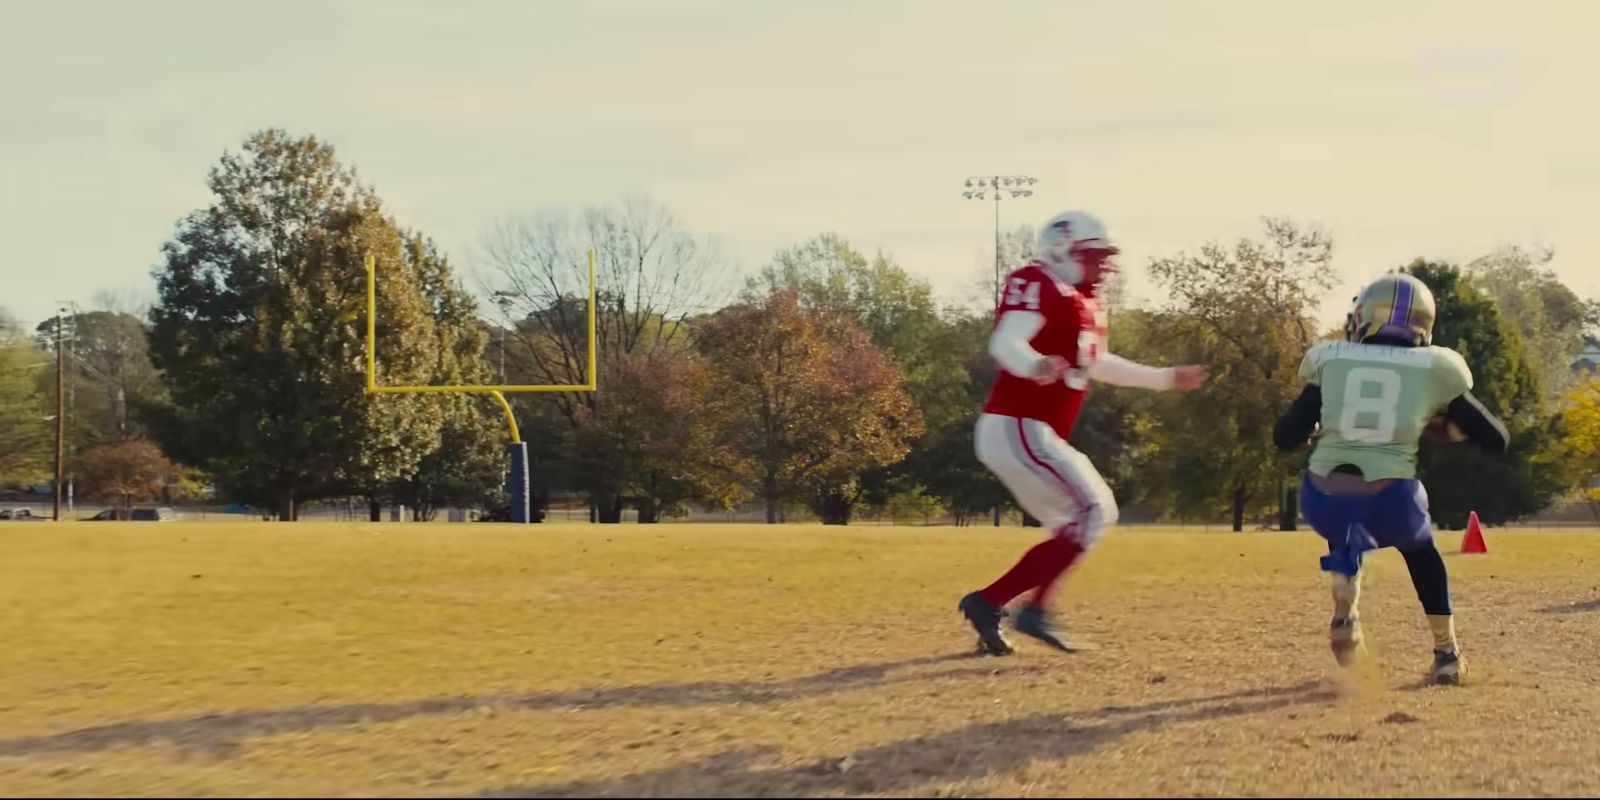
(1588, 359)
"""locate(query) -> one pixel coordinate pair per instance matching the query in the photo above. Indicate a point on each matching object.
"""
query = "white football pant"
(1049, 478)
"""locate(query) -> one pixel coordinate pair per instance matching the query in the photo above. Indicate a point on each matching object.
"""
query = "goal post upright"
(517, 476)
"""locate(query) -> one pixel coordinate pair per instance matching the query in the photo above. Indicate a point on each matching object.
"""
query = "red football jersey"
(1074, 329)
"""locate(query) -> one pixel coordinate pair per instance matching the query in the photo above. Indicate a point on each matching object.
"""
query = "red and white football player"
(1049, 340)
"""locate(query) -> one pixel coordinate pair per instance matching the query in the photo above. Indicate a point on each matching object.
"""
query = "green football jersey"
(1376, 399)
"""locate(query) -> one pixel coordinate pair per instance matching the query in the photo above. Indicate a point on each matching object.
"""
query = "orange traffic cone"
(1473, 541)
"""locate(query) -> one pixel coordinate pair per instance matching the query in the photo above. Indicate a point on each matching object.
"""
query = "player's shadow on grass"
(221, 734)
(900, 768)
(1572, 608)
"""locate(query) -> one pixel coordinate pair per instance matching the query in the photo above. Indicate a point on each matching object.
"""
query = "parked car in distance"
(151, 514)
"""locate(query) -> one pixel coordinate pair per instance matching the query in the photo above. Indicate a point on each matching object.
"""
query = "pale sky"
(1439, 129)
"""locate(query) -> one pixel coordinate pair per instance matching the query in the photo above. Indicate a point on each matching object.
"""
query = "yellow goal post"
(517, 477)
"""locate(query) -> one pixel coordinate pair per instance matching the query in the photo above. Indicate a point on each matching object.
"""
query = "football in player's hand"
(1441, 430)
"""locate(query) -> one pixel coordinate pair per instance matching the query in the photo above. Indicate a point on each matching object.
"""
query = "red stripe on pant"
(1072, 490)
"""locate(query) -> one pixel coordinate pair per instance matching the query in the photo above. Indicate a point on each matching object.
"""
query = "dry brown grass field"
(196, 659)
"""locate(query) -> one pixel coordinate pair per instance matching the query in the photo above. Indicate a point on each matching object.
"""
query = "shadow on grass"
(221, 734)
(969, 753)
(1572, 608)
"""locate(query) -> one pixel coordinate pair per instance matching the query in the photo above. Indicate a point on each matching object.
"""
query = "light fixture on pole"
(998, 186)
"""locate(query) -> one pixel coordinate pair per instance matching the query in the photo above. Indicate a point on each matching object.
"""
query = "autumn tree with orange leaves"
(803, 402)
(655, 435)
(125, 473)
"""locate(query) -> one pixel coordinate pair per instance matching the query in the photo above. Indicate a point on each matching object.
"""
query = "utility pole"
(76, 317)
(61, 409)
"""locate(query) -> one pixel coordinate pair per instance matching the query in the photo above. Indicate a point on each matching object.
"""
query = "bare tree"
(652, 276)
(111, 378)
(127, 300)
(1017, 247)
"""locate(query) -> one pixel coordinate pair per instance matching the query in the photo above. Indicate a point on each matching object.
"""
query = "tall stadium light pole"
(505, 300)
(984, 187)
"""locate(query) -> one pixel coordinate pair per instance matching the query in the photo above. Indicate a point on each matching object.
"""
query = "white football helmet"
(1076, 245)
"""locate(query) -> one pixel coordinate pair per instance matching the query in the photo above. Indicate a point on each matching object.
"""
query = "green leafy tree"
(1115, 426)
(466, 470)
(1246, 312)
(1460, 478)
(468, 467)
(944, 462)
(258, 331)
(1550, 317)
(26, 453)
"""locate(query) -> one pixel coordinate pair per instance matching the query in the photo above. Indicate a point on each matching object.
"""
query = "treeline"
(828, 381)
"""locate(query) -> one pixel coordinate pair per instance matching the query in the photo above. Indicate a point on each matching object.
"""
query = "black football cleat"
(985, 619)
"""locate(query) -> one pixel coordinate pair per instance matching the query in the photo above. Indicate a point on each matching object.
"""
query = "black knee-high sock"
(1430, 579)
